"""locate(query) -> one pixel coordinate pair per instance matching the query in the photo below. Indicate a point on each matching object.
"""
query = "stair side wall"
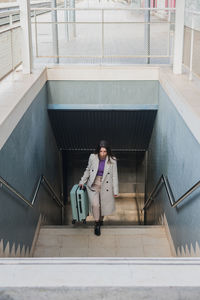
(29, 152)
(174, 152)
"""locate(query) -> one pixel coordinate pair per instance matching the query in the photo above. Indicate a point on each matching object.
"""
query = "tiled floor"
(115, 241)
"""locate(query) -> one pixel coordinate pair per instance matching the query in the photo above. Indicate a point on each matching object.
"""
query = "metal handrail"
(9, 28)
(173, 202)
(104, 8)
(20, 196)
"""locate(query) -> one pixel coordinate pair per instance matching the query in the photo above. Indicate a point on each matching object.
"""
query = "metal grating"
(10, 50)
(83, 129)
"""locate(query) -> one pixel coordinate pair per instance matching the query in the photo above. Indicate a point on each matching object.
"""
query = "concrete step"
(100, 278)
(115, 241)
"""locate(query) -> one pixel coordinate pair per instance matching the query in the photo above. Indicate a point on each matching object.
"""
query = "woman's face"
(103, 153)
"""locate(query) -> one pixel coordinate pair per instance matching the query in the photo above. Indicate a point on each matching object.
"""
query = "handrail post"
(145, 187)
(37, 189)
(66, 14)
(54, 18)
(191, 49)
(36, 35)
(169, 191)
(147, 29)
(102, 19)
(10, 20)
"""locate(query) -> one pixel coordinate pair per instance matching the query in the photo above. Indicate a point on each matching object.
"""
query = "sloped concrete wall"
(29, 152)
(174, 152)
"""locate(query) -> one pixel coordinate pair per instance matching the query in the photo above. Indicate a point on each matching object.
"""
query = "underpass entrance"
(128, 131)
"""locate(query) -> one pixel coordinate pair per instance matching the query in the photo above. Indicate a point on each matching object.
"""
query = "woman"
(102, 183)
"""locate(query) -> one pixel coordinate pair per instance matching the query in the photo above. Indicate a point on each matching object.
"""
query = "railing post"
(191, 48)
(169, 36)
(179, 34)
(66, 14)
(11, 45)
(146, 184)
(10, 20)
(102, 33)
(55, 31)
(36, 40)
(25, 21)
(62, 186)
(72, 17)
(147, 28)
(11, 39)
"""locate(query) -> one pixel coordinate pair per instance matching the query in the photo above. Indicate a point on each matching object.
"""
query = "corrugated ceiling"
(83, 129)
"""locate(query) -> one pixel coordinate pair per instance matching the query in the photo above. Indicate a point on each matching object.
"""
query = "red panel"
(173, 3)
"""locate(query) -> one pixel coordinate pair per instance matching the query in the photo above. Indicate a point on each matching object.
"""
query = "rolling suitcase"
(79, 204)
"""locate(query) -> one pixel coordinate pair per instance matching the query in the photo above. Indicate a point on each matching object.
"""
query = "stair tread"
(115, 241)
(104, 226)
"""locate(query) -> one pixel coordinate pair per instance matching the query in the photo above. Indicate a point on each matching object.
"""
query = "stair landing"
(115, 241)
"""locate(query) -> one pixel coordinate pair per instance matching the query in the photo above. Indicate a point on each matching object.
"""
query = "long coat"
(109, 184)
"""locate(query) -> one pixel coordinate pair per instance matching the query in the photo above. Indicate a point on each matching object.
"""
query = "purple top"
(101, 167)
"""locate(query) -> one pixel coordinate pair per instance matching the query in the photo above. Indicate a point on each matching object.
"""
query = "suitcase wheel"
(84, 221)
(73, 221)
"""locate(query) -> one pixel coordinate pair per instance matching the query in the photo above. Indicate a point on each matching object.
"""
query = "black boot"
(97, 228)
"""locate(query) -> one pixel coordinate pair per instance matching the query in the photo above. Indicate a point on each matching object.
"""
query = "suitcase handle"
(84, 188)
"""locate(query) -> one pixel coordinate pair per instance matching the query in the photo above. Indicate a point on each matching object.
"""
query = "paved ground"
(116, 293)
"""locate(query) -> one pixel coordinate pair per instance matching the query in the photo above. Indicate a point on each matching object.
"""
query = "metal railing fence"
(10, 15)
(10, 49)
(10, 39)
(104, 33)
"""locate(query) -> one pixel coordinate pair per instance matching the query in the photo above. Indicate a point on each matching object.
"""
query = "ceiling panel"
(83, 129)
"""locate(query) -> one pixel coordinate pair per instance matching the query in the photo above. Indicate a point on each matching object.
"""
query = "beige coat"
(109, 186)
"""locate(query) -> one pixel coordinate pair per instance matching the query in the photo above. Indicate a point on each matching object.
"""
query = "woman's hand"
(81, 185)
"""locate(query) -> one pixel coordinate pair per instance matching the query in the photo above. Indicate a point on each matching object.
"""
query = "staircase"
(125, 262)
(121, 235)
(115, 241)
